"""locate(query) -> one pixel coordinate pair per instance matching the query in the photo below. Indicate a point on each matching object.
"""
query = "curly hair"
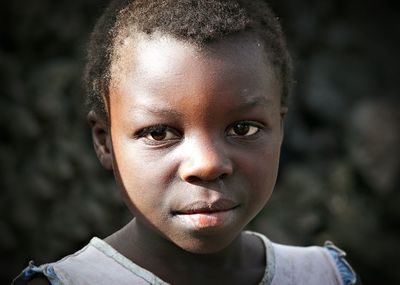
(195, 21)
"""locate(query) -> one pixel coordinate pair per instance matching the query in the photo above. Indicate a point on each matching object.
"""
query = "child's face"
(196, 136)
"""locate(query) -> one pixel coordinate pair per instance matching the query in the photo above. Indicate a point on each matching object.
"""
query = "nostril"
(205, 165)
(223, 176)
(192, 179)
(196, 179)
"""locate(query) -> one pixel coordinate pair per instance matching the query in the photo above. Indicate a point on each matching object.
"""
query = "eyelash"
(250, 124)
(146, 133)
(160, 128)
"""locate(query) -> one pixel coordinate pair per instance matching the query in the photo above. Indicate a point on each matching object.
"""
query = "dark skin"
(194, 143)
(216, 268)
(189, 131)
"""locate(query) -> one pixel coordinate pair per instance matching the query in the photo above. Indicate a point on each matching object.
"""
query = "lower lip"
(207, 220)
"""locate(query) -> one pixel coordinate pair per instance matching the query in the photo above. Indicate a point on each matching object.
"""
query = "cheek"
(142, 177)
(129, 172)
(261, 172)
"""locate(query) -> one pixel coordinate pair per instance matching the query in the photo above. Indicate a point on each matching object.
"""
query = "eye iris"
(158, 134)
(241, 129)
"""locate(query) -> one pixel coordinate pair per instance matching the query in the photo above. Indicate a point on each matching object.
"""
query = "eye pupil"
(158, 134)
(241, 129)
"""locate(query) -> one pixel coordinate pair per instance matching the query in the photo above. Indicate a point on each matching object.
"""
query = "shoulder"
(313, 264)
(64, 271)
(96, 263)
(306, 265)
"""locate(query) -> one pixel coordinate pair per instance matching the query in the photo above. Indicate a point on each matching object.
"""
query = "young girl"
(187, 101)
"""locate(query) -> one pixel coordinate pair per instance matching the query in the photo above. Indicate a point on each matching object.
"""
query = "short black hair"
(195, 21)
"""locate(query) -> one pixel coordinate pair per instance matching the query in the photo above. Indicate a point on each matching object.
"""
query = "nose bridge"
(206, 158)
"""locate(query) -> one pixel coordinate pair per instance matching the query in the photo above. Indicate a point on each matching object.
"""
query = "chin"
(204, 249)
(207, 244)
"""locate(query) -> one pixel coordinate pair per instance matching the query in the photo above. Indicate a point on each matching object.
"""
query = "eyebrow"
(252, 102)
(158, 111)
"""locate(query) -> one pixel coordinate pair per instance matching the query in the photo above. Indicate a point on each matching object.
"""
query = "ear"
(101, 139)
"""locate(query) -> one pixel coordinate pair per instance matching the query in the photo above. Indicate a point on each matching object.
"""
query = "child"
(187, 100)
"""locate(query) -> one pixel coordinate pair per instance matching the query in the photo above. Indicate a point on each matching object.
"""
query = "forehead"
(153, 64)
(160, 53)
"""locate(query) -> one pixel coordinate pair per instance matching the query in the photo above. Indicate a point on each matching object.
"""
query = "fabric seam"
(109, 251)
(269, 272)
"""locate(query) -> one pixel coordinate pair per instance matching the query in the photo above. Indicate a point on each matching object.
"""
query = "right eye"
(244, 129)
(159, 133)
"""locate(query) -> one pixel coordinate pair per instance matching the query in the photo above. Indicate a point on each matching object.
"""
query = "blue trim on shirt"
(32, 271)
(346, 272)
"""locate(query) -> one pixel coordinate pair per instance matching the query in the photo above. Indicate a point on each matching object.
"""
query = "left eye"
(243, 129)
(158, 133)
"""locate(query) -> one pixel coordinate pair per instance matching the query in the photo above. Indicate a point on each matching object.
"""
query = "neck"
(160, 248)
(152, 251)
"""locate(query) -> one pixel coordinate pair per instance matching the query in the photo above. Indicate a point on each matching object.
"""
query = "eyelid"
(142, 133)
(255, 124)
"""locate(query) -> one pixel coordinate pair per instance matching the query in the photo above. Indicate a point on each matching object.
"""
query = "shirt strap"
(346, 271)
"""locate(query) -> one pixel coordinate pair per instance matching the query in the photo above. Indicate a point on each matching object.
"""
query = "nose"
(205, 160)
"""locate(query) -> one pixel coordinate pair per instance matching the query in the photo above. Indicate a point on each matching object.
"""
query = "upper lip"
(197, 207)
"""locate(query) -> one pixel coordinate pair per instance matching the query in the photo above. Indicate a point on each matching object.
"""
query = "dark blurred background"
(340, 163)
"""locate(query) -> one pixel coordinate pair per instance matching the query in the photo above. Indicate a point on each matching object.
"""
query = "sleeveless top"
(99, 263)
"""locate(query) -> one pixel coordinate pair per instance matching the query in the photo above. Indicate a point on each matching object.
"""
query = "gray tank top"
(99, 263)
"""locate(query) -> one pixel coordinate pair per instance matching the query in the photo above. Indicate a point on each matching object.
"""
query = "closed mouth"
(204, 207)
